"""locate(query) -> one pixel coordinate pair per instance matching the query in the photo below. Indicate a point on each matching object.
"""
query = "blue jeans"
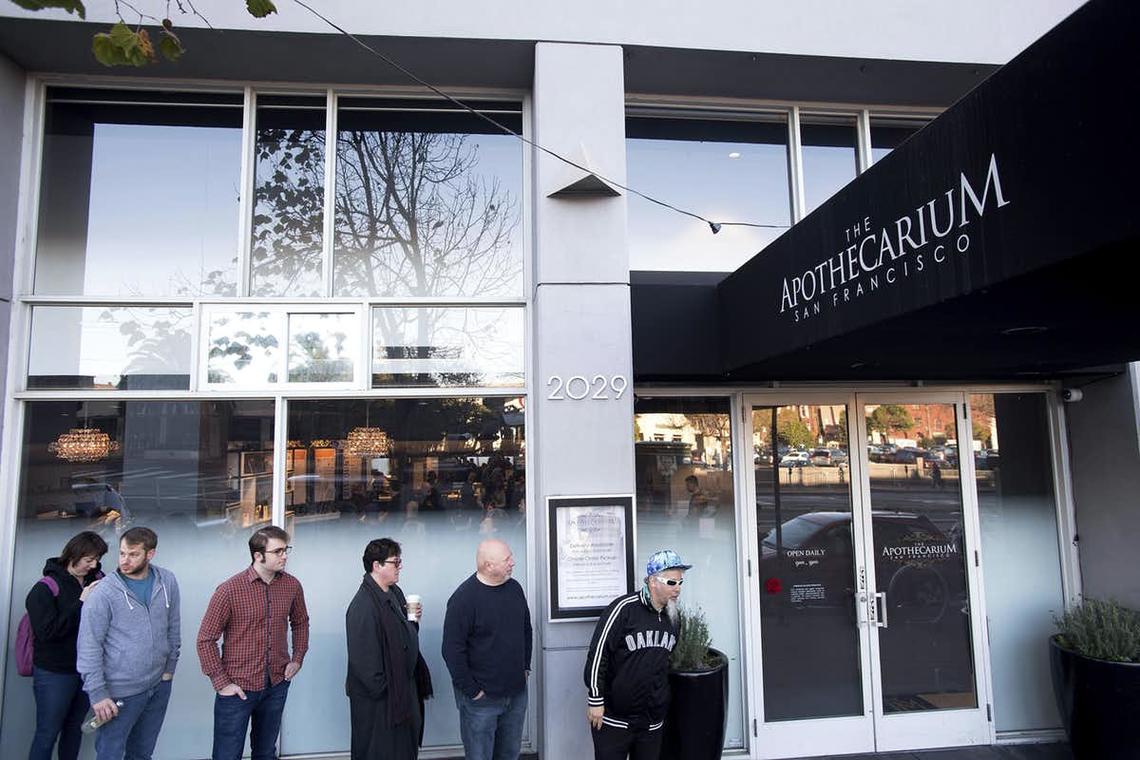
(232, 717)
(61, 704)
(134, 732)
(491, 727)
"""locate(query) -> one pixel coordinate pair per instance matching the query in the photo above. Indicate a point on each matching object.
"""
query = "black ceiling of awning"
(1036, 280)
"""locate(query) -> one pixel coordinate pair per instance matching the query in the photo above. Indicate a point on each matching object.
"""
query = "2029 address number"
(578, 387)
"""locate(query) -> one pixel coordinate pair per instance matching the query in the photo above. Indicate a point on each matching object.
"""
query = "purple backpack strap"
(25, 638)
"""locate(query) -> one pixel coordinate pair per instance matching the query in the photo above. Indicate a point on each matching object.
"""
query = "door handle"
(861, 608)
(881, 609)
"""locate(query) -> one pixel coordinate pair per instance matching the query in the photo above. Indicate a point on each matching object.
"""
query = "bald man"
(487, 640)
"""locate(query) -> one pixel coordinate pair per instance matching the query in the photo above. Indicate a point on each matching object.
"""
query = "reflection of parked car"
(917, 565)
(795, 459)
(828, 457)
(884, 452)
(987, 459)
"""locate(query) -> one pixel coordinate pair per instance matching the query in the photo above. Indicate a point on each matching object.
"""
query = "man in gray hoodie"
(129, 639)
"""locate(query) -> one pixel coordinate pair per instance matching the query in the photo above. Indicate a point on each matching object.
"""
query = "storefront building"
(848, 414)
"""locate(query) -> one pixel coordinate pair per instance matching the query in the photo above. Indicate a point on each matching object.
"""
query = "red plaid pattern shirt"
(251, 615)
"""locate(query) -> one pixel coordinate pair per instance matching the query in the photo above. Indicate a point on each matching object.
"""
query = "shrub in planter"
(1095, 665)
(698, 679)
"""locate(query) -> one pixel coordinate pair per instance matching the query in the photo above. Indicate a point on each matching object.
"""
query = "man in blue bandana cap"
(627, 668)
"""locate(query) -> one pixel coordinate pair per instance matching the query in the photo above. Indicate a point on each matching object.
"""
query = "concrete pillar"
(581, 328)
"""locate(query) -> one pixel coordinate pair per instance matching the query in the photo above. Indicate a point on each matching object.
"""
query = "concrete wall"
(1105, 451)
(980, 31)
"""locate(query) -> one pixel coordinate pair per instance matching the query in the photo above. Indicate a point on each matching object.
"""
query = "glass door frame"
(875, 730)
(902, 731)
(819, 736)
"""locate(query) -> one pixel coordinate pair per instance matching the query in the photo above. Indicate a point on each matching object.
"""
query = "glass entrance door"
(867, 636)
(917, 476)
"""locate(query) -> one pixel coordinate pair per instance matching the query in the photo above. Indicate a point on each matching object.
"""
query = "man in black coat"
(387, 679)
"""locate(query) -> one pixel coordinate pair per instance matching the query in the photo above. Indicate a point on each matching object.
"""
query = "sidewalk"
(1007, 752)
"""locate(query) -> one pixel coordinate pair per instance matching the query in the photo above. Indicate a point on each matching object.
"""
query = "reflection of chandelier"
(83, 445)
(366, 442)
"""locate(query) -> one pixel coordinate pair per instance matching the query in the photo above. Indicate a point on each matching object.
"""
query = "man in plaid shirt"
(251, 675)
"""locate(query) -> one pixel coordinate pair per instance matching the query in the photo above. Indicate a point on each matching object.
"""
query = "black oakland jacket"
(627, 668)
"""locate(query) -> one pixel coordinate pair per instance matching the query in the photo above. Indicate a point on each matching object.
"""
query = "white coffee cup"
(414, 606)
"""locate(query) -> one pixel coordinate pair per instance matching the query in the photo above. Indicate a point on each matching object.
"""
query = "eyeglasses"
(398, 562)
(280, 552)
(672, 581)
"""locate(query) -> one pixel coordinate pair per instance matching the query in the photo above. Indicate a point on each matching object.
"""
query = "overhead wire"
(715, 226)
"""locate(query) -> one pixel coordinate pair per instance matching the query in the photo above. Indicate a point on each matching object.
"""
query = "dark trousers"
(61, 704)
(233, 715)
(612, 743)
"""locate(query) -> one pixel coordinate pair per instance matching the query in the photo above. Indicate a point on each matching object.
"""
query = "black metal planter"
(1099, 702)
(698, 713)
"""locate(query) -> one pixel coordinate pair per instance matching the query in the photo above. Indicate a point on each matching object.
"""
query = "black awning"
(1002, 239)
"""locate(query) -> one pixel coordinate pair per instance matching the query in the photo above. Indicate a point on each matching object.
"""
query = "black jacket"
(55, 619)
(627, 668)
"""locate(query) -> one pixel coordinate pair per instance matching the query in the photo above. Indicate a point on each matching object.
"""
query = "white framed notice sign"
(591, 553)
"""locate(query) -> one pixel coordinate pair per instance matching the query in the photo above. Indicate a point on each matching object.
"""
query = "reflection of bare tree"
(413, 217)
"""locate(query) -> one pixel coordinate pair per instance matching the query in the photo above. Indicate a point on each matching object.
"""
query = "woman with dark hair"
(388, 679)
(54, 605)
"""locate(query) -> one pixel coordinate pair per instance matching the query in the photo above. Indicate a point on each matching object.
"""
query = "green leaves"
(260, 8)
(71, 6)
(169, 44)
(123, 47)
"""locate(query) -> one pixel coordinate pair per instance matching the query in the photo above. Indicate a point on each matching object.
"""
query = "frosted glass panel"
(686, 502)
(1019, 547)
(178, 471)
(436, 475)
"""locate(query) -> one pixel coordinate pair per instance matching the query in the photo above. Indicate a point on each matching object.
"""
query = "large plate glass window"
(428, 200)
(725, 170)
(288, 196)
(465, 346)
(889, 133)
(686, 501)
(198, 473)
(830, 157)
(139, 193)
(438, 475)
(110, 347)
